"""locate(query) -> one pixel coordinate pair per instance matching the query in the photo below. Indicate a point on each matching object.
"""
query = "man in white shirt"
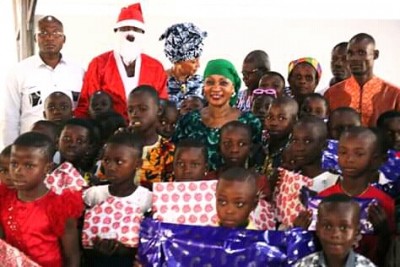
(34, 78)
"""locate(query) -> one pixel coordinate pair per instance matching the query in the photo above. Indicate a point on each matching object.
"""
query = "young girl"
(100, 102)
(262, 100)
(191, 103)
(34, 219)
(112, 241)
(273, 80)
(316, 105)
(167, 119)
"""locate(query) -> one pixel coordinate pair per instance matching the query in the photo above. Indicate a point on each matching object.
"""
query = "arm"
(70, 244)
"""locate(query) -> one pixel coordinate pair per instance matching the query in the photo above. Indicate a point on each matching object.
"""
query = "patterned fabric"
(244, 101)
(177, 90)
(157, 163)
(12, 257)
(272, 160)
(183, 41)
(317, 259)
(374, 98)
(65, 177)
(192, 126)
(312, 61)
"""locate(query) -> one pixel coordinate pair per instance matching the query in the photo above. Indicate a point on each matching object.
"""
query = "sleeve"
(181, 130)
(255, 124)
(167, 175)
(162, 89)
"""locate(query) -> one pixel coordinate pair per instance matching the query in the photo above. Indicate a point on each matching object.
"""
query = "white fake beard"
(129, 51)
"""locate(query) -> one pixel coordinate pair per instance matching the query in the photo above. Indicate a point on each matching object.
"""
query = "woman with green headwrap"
(221, 84)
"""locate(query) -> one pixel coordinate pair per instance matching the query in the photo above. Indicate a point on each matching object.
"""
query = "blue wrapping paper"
(165, 244)
(330, 158)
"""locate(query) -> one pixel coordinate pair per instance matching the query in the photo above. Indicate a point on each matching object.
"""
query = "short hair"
(362, 131)
(101, 92)
(259, 58)
(87, 124)
(164, 104)
(108, 122)
(128, 139)
(274, 73)
(238, 174)
(36, 140)
(147, 89)
(363, 36)
(345, 110)
(59, 94)
(384, 117)
(317, 123)
(50, 18)
(340, 45)
(6, 152)
(192, 143)
(286, 101)
(53, 127)
(335, 199)
(317, 96)
(237, 124)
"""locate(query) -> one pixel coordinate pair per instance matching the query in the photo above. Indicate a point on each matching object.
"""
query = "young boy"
(143, 112)
(100, 102)
(338, 225)
(358, 153)
(340, 119)
(191, 103)
(58, 108)
(190, 161)
(167, 119)
(390, 123)
(236, 197)
(273, 80)
(316, 105)
(5, 178)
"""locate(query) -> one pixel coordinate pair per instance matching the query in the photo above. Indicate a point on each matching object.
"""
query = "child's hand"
(378, 218)
(303, 220)
(105, 246)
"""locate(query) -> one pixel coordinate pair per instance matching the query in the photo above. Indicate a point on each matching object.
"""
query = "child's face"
(189, 104)
(5, 177)
(337, 228)
(272, 81)
(356, 155)
(142, 112)
(28, 167)
(393, 128)
(261, 105)
(341, 121)
(167, 122)
(58, 107)
(303, 79)
(120, 163)
(74, 143)
(189, 164)
(235, 146)
(235, 201)
(315, 107)
(279, 121)
(288, 161)
(99, 103)
(306, 144)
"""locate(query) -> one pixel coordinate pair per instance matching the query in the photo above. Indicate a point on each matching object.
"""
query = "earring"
(233, 94)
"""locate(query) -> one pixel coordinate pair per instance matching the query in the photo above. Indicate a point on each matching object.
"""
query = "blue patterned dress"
(178, 91)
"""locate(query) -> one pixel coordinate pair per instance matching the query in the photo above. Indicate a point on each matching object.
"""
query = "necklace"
(351, 195)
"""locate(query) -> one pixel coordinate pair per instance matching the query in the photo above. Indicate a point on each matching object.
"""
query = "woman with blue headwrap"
(221, 84)
(183, 47)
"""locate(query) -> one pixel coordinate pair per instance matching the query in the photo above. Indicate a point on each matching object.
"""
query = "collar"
(350, 262)
(40, 63)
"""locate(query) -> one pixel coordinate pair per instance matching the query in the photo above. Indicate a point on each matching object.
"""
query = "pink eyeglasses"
(268, 91)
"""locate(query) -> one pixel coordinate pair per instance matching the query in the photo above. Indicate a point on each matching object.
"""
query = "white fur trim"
(131, 22)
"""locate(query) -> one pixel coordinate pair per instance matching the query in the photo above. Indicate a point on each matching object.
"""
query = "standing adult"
(339, 66)
(119, 71)
(183, 47)
(363, 91)
(36, 77)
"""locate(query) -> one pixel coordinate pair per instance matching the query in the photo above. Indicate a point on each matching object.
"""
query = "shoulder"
(149, 61)
(250, 118)
(103, 57)
(363, 261)
(96, 195)
(310, 260)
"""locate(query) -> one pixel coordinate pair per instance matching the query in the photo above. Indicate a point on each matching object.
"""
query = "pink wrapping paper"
(12, 257)
(65, 177)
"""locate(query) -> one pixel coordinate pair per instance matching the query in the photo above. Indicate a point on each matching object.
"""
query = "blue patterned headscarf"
(183, 41)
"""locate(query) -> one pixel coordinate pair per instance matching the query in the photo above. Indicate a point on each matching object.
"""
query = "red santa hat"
(130, 16)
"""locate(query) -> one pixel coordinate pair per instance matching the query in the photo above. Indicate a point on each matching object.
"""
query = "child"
(52, 130)
(273, 80)
(34, 219)
(58, 108)
(236, 196)
(5, 179)
(340, 119)
(190, 161)
(262, 100)
(100, 102)
(390, 123)
(338, 225)
(143, 111)
(115, 247)
(191, 103)
(358, 153)
(316, 105)
(167, 119)
(108, 123)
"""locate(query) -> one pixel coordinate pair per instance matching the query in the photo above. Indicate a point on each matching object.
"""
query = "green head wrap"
(224, 68)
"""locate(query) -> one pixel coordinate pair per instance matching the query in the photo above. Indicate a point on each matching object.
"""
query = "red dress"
(35, 227)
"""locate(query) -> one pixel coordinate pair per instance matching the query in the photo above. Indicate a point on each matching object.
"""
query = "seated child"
(58, 108)
(167, 119)
(143, 110)
(316, 105)
(236, 197)
(34, 219)
(340, 119)
(52, 130)
(108, 123)
(338, 225)
(261, 102)
(273, 80)
(191, 103)
(390, 123)
(5, 178)
(358, 152)
(117, 246)
(100, 102)
(190, 161)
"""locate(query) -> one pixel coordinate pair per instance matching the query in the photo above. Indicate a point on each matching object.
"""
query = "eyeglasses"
(55, 35)
(268, 91)
(248, 73)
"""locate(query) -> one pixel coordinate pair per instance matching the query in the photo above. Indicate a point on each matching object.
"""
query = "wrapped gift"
(391, 168)
(330, 157)
(65, 177)
(165, 244)
(12, 257)
(193, 203)
(115, 218)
